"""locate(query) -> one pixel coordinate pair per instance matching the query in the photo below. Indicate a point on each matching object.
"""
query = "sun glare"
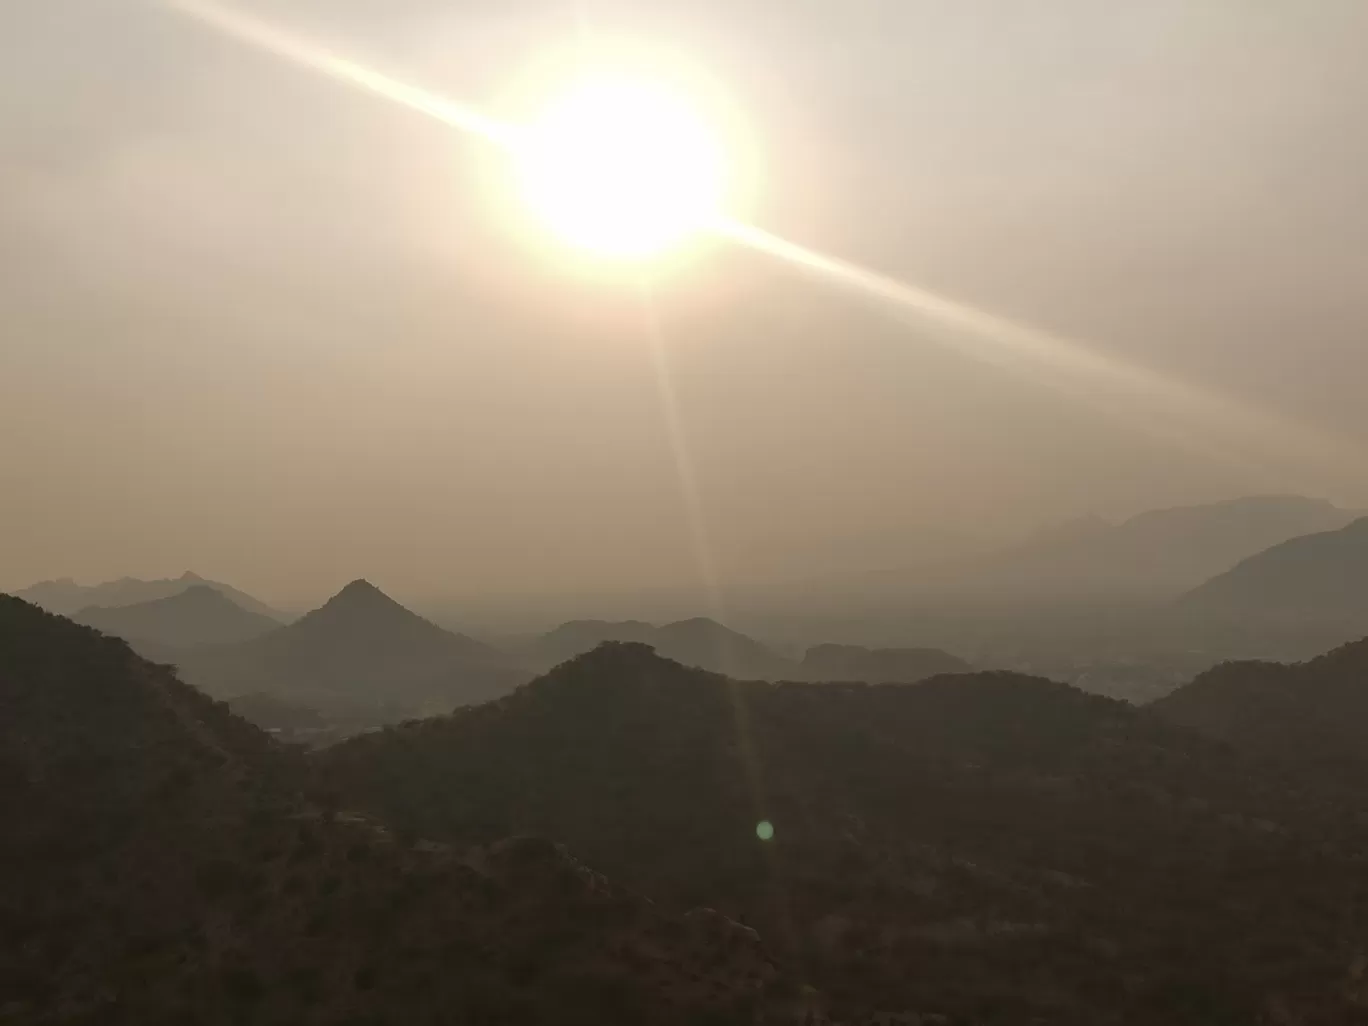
(622, 169)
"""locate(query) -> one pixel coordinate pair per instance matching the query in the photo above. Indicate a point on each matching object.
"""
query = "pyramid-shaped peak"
(191, 576)
(363, 597)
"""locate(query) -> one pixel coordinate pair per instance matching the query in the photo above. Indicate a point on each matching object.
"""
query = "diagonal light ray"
(268, 37)
(1183, 414)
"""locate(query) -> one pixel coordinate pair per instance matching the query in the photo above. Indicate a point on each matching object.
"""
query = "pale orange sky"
(259, 326)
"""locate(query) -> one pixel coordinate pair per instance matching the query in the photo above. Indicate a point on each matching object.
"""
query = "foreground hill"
(993, 847)
(65, 596)
(1318, 576)
(361, 648)
(159, 868)
(699, 642)
(878, 665)
(199, 615)
(1309, 717)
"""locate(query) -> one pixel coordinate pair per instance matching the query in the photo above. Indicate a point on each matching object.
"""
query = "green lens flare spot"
(764, 830)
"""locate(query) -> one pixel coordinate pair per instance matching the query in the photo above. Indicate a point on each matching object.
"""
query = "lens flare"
(622, 169)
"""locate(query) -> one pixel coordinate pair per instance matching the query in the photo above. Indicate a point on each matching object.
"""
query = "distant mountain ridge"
(65, 596)
(163, 865)
(708, 645)
(199, 615)
(1156, 555)
(1318, 575)
(360, 646)
(697, 642)
(879, 665)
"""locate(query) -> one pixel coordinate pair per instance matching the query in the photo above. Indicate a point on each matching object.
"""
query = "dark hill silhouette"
(359, 647)
(1312, 717)
(1317, 576)
(199, 615)
(878, 665)
(699, 642)
(66, 597)
(160, 867)
(994, 847)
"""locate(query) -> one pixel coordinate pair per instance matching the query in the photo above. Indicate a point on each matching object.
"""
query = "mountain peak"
(361, 592)
(361, 606)
(361, 586)
(190, 575)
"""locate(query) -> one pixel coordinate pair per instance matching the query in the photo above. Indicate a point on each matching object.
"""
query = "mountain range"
(199, 615)
(1156, 555)
(65, 596)
(991, 848)
(163, 865)
(984, 848)
(1316, 576)
(359, 649)
(708, 645)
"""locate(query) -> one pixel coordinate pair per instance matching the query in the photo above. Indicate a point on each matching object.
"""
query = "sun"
(622, 169)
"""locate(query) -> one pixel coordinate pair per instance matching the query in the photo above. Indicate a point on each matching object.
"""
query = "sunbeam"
(1193, 418)
(268, 37)
(1184, 415)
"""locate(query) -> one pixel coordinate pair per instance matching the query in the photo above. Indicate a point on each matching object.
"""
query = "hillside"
(66, 597)
(361, 648)
(1310, 717)
(1156, 555)
(1318, 576)
(699, 642)
(878, 665)
(1161, 553)
(199, 615)
(161, 869)
(989, 846)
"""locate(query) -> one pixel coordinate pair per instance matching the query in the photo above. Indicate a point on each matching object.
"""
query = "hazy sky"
(279, 332)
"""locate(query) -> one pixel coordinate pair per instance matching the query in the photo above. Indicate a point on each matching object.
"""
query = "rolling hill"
(1311, 717)
(199, 615)
(699, 642)
(988, 847)
(162, 867)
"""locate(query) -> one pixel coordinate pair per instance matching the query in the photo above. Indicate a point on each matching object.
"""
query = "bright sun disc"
(622, 169)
